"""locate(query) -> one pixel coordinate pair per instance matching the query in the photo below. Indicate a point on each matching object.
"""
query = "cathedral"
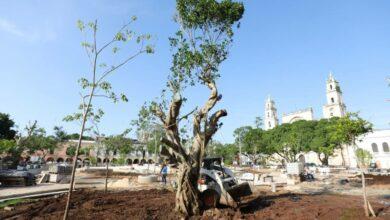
(376, 142)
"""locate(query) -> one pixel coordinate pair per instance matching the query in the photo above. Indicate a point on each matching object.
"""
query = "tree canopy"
(6, 127)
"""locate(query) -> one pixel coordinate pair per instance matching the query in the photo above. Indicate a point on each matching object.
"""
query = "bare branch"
(119, 65)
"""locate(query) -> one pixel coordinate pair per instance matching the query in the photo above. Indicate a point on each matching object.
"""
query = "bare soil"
(158, 204)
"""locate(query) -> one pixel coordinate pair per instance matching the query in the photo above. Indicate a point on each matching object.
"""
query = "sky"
(283, 48)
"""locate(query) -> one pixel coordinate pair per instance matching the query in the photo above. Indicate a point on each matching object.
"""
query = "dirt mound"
(145, 204)
(158, 204)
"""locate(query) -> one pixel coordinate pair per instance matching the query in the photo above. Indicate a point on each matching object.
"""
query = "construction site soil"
(158, 204)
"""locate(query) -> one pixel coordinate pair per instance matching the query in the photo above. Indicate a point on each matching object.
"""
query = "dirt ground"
(158, 204)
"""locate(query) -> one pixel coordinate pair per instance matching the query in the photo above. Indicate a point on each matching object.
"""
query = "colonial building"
(270, 114)
(93, 149)
(376, 142)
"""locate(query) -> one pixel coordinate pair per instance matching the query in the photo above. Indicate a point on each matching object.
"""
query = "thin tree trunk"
(71, 185)
(85, 113)
(105, 185)
(367, 205)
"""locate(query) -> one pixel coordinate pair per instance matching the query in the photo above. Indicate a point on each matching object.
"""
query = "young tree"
(200, 46)
(36, 140)
(118, 143)
(97, 84)
(346, 130)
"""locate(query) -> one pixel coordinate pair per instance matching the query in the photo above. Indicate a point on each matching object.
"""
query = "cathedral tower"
(270, 115)
(335, 105)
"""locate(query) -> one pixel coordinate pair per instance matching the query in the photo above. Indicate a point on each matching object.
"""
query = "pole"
(155, 151)
(239, 156)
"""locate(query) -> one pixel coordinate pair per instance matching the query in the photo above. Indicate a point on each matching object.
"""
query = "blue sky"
(283, 48)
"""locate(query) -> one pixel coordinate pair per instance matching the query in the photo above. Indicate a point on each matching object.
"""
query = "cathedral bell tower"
(270, 115)
(335, 106)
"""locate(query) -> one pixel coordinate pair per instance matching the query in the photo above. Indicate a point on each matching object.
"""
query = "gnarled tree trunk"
(187, 194)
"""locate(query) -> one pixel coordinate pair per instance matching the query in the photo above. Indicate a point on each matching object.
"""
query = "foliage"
(93, 161)
(71, 150)
(228, 152)
(258, 122)
(76, 136)
(323, 143)
(288, 140)
(118, 143)
(96, 85)
(346, 129)
(36, 139)
(6, 127)
(364, 157)
(60, 134)
(199, 47)
(6, 146)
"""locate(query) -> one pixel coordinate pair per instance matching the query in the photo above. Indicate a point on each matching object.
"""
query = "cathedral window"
(385, 147)
(269, 124)
(374, 147)
(332, 99)
(331, 87)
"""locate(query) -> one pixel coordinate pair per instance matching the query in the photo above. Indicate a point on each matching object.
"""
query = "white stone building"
(376, 142)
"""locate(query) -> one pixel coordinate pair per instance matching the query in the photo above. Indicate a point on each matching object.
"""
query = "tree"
(71, 150)
(60, 134)
(199, 47)
(346, 130)
(36, 140)
(288, 140)
(256, 148)
(97, 85)
(323, 143)
(118, 143)
(258, 122)
(242, 143)
(6, 127)
(364, 157)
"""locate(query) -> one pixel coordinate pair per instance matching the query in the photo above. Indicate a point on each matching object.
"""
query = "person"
(164, 173)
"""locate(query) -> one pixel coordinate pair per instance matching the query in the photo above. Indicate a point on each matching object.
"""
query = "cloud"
(10, 28)
(30, 35)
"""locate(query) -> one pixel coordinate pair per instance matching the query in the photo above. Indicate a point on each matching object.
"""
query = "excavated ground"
(158, 204)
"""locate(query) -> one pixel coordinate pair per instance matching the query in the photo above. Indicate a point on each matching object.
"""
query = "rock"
(147, 178)
(9, 208)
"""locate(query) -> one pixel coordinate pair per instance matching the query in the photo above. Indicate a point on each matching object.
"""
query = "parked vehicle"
(217, 184)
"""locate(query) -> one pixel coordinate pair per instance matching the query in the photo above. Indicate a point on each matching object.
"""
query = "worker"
(164, 173)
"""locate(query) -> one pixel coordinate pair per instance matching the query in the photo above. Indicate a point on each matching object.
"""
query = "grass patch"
(13, 202)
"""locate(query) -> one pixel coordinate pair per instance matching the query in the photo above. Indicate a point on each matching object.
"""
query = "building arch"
(385, 147)
(129, 161)
(69, 160)
(136, 161)
(106, 160)
(50, 159)
(60, 160)
(296, 118)
(143, 161)
(99, 160)
(374, 147)
(150, 161)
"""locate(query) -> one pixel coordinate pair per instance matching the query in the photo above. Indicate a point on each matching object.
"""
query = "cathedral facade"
(376, 142)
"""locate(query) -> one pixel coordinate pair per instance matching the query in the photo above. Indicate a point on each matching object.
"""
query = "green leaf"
(80, 25)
